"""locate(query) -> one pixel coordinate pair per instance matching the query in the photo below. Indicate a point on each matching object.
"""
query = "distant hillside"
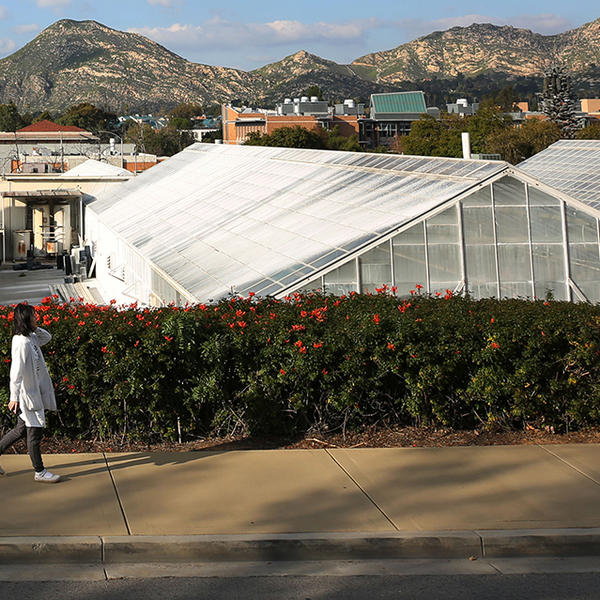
(292, 75)
(482, 48)
(85, 61)
(73, 61)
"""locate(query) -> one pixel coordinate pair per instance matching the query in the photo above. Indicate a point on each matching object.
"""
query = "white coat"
(30, 383)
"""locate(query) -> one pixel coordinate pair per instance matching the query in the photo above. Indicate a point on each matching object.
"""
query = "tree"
(506, 98)
(10, 119)
(558, 100)
(335, 141)
(187, 110)
(88, 117)
(180, 123)
(165, 142)
(515, 145)
(43, 116)
(591, 132)
(313, 90)
(488, 120)
(430, 137)
(287, 137)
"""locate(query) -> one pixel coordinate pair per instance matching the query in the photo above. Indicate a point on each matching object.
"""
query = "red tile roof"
(46, 126)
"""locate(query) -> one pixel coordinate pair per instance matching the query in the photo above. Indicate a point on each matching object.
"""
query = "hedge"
(315, 362)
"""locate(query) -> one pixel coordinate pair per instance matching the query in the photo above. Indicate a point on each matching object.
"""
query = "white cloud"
(53, 3)
(28, 28)
(546, 23)
(219, 32)
(4, 14)
(7, 46)
(161, 2)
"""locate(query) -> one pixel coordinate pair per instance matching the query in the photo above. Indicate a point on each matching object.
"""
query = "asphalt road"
(558, 586)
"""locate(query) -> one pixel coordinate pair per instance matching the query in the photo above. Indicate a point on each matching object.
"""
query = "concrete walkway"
(304, 504)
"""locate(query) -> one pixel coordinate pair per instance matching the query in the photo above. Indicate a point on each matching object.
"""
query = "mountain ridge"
(86, 61)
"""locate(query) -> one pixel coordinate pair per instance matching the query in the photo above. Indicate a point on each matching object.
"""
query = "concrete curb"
(299, 547)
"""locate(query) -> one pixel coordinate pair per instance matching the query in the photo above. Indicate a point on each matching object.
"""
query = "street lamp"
(121, 140)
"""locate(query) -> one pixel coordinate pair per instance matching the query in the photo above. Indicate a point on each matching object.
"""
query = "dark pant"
(34, 437)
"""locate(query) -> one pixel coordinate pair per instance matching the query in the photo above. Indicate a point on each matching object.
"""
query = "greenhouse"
(215, 219)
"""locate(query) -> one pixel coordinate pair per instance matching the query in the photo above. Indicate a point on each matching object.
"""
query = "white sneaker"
(2, 472)
(46, 477)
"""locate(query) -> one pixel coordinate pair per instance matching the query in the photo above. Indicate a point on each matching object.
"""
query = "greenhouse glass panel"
(444, 266)
(313, 286)
(514, 268)
(581, 227)
(478, 225)
(443, 227)
(481, 271)
(410, 267)
(511, 224)
(482, 197)
(539, 198)
(549, 270)
(509, 192)
(341, 280)
(546, 224)
(515, 290)
(375, 268)
(585, 269)
(414, 235)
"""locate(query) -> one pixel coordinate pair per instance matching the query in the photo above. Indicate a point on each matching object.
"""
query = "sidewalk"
(304, 504)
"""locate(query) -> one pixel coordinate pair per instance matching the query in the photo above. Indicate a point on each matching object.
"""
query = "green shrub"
(315, 362)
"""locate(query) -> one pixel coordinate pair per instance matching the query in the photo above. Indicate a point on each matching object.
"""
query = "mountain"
(85, 61)
(292, 75)
(482, 48)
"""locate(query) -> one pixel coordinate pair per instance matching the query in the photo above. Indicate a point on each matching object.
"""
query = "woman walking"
(31, 389)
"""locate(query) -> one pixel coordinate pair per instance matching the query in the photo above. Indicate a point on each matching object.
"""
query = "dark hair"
(22, 319)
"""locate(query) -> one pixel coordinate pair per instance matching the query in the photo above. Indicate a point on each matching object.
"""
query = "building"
(150, 120)
(42, 214)
(310, 113)
(44, 132)
(590, 106)
(276, 220)
(392, 115)
(462, 107)
(46, 147)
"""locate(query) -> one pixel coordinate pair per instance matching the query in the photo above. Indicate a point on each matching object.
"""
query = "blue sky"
(247, 35)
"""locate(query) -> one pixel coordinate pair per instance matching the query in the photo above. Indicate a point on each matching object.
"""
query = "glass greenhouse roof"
(217, 217)
(570, 166)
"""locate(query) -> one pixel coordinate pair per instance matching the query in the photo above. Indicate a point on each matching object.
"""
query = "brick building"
(311, 114)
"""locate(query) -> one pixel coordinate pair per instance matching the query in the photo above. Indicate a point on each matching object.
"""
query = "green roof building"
(391, 115)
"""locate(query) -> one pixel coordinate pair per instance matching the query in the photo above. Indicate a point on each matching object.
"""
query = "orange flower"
(104, 349)
(318, 345)
(376, 319)
(281, 371)
(390, 346)
(494, 345)
(298, 344)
